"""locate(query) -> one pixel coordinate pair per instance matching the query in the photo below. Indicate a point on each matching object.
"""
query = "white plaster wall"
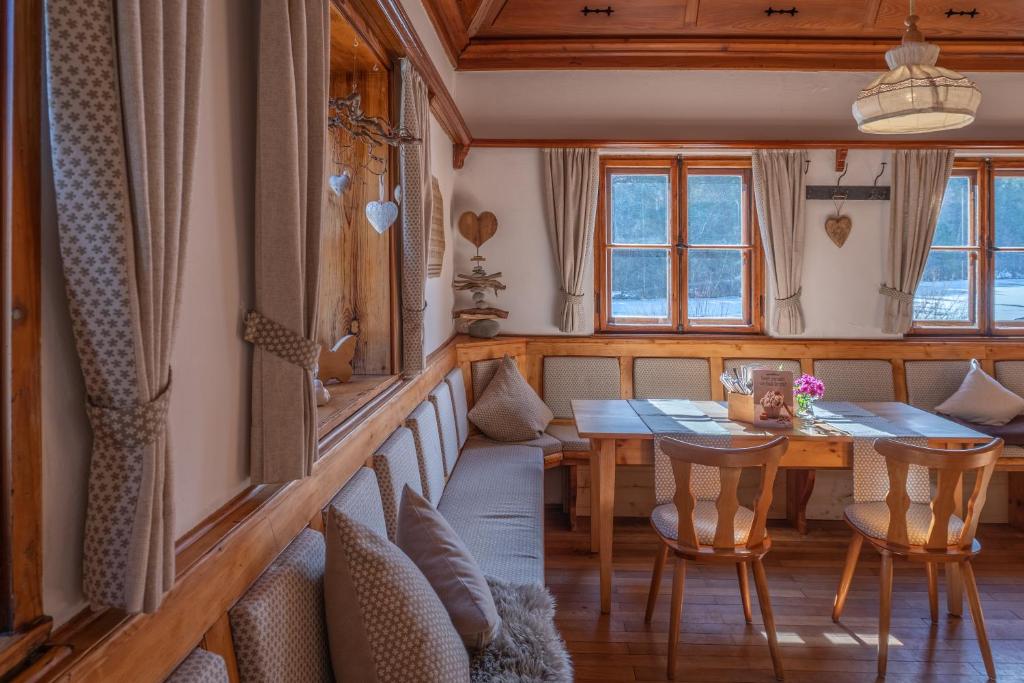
(209, 407)
(440, 297)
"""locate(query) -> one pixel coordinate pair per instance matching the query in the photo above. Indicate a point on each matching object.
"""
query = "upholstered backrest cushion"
(202, 666)
(423, 423)
(672, 378)
(431, 543)
(278, 626)
(982, 399)
(441, 398)
(482, 371)
(568, 378)
(930, 382)
(509, 409)
(787, 364)
(457, 386)
(360, 499)
(385, 623)
(856, 380)
(396, 465)
(1010, 374)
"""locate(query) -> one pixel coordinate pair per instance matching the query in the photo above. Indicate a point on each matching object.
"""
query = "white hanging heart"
(338, 183)
(398, 194)
(381, 215)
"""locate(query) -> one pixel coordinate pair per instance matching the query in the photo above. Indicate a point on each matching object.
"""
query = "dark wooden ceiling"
(981, 35)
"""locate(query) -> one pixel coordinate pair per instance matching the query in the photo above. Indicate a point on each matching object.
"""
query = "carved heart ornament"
(381, 215)
(478, 228)
(838, 229)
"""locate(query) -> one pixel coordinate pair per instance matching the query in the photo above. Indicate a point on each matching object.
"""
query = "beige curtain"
(919, 179)
(123, 91)
(570, 185)
(780, 197)
(291, 142)
(414, 170)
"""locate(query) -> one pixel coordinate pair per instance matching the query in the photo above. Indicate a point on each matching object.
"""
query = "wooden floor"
(717, 645)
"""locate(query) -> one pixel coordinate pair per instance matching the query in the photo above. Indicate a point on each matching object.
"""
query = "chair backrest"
(730, 463)
(950, 466)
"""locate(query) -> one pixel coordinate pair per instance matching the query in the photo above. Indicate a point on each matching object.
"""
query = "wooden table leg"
(799, 487)
(595, 500)
(606, 509)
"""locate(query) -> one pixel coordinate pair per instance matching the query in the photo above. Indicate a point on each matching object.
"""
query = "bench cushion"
(422, 422)
(202, 666)
(687, 378)
(1012, 432)
(569, 438)
(441, 398)
(578, 377)
(457, 386)
(545, 442)
(856, 380)
(385, 622)
(495, 502)
(873, 520)
(397, 466)
(278, 626)
(360, 500)
(930, 382)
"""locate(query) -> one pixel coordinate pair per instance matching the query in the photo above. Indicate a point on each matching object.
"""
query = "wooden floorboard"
(717, 645)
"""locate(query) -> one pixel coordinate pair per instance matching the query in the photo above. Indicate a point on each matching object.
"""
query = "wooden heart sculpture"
(838, 229)
(478, 228)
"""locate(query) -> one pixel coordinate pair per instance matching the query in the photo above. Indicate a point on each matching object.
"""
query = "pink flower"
(810, 386)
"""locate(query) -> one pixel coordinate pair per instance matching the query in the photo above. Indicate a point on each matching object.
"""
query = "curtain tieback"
(894, 293)
(136, 426)
(573, 298)
(275, 338)
(790, 301)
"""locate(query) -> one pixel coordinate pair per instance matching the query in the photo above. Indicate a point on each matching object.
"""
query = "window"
(973, 281)
(676, 246)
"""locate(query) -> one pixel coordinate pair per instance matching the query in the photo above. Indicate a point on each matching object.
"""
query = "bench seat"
(495, 502)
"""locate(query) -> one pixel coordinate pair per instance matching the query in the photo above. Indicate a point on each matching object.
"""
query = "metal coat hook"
(836, 194)
(807, 166)
(876, 192)
(875, 183)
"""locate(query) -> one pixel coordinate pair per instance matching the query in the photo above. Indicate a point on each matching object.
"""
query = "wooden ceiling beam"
(794, 54)
(871, 13)
(450, 27)
(485, 15)
(692, 12)
(880, 142)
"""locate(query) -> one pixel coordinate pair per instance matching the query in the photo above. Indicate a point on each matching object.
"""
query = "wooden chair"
(926, 532)
(706, 523)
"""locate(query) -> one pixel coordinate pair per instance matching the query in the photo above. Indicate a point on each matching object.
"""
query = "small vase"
(805, 406)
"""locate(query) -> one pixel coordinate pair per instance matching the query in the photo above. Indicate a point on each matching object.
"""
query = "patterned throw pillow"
(982, 400)
(385, 623)
(430, 542)
(509, 409)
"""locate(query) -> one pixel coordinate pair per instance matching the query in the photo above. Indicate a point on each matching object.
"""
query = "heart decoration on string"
(339, 183)
(838, 229)
(381, 214)
(478, 228)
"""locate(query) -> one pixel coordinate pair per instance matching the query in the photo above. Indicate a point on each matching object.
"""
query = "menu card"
(773, 398)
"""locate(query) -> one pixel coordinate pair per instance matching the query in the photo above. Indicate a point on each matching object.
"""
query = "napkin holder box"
(741, 407)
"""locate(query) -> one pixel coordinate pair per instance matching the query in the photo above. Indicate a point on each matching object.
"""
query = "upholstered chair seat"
(872, 519)
(665, 519)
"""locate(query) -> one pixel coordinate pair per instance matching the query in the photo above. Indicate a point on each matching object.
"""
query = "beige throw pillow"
(982, 400)
(385, 623)
(509, 409)
(431, 543)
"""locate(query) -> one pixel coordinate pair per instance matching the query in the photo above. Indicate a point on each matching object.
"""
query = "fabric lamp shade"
(915, 95)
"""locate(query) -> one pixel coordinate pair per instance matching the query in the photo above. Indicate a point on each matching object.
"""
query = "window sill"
(349, 397)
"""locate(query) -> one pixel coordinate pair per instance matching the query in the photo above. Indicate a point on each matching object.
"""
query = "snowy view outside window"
(948, 287)
(642, 248)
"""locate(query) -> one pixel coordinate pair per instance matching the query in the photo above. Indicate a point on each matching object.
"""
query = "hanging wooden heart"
(838, 229)
(478, 228)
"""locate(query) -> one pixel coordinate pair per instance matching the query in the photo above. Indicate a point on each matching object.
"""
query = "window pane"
(715, 279)
(714, 209)
(640, 284)
(943, 294)
(640, 209)
(1009, 286)
(954, 227)
(1009, 202)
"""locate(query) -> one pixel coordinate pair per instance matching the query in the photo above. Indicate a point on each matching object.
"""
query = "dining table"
(622, 432)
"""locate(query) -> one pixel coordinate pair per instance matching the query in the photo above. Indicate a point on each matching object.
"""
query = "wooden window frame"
(678, 169)
(982, 275)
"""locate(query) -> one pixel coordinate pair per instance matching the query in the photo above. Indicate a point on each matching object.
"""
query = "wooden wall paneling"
(105, 646)
(625, 377)
(899, 376)
(21, 604)
(485, 15)
(1015, 495)
(716, 366)
(692, 13)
